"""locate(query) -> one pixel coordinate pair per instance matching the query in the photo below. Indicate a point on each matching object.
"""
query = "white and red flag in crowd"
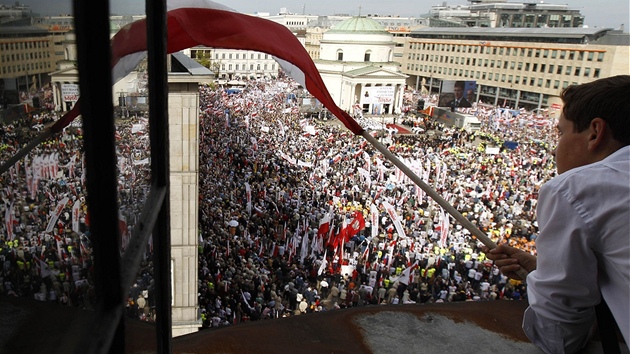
(75, 215)
(389, 209)
(324, 226)
(374, 220)
(407, 275)
(357, 224)
(444, 228)
(55, 215)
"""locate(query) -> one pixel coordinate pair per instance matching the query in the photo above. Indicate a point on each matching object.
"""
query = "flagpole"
(435, 196)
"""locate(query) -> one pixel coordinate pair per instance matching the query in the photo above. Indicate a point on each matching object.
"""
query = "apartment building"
(515, 67)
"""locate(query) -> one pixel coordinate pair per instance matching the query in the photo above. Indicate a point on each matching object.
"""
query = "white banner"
(378, 94)
(392, 214)
(75, 216)
(70, 92)
(55, 214)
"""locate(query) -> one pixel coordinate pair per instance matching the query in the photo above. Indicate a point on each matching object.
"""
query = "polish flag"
(357, 224)
(202, 22)
(324, 226)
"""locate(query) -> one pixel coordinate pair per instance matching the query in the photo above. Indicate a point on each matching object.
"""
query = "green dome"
(359, 25)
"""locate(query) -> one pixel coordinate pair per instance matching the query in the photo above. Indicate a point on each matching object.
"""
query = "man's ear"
(599, 132)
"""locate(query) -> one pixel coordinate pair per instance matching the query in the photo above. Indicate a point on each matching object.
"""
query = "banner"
(75, 216)
(374, 220)
(389, 209)
(55, 214)
(377, 94)
(70, 92)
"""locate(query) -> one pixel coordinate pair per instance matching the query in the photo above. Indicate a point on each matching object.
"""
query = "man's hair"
(460, 84)
(606, 98)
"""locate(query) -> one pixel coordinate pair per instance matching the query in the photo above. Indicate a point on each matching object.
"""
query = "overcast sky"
(600, 13)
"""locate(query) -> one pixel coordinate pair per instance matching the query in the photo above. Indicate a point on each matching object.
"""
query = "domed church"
(356, 64)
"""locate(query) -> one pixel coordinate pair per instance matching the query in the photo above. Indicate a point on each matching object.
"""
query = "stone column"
(183, 112)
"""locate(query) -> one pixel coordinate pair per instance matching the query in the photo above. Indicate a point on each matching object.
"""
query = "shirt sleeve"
(563, 290)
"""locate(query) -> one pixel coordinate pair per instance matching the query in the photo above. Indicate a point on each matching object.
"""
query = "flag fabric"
(55, 215)
(203, 22)
(357, 224)
(324, 226)
(374, 220)
(322, 266)
(392, 214)
(407, 275)
(75, 215)
(444, 228)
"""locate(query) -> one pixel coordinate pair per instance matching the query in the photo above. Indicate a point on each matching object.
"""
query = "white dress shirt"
(583, 248)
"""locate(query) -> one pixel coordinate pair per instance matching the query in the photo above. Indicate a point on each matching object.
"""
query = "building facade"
(27, 55)
(357, 66)
(515, 67)
(497, 13)
(229, 64)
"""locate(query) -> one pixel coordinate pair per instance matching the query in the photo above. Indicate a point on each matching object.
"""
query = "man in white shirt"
(584, 218)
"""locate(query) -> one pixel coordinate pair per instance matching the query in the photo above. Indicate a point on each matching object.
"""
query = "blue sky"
(602, 13)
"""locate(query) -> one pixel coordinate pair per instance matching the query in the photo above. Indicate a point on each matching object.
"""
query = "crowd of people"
(271, 180)
(296, 215)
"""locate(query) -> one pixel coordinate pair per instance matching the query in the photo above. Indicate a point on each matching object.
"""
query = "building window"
(366, 56)
(596, 73)
(340, 55)
(550, 69)
(230, 56)
(590, 56)
(600, 57)
(559, 71)
(577, 71)
(568, 70)
(565, 84)
(587, 72)
(554, 53)
(547, 83)
(571, 55)
(222, 55)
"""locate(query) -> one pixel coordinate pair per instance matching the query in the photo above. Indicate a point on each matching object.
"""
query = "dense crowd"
(296, 215)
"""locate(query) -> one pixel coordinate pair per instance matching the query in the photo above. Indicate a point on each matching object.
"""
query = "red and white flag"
(55, 215)
(389, 209)
(444, 228)
(357, 224)
(324, 226)
(374, 220)
(203, 22)
(407, 274)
